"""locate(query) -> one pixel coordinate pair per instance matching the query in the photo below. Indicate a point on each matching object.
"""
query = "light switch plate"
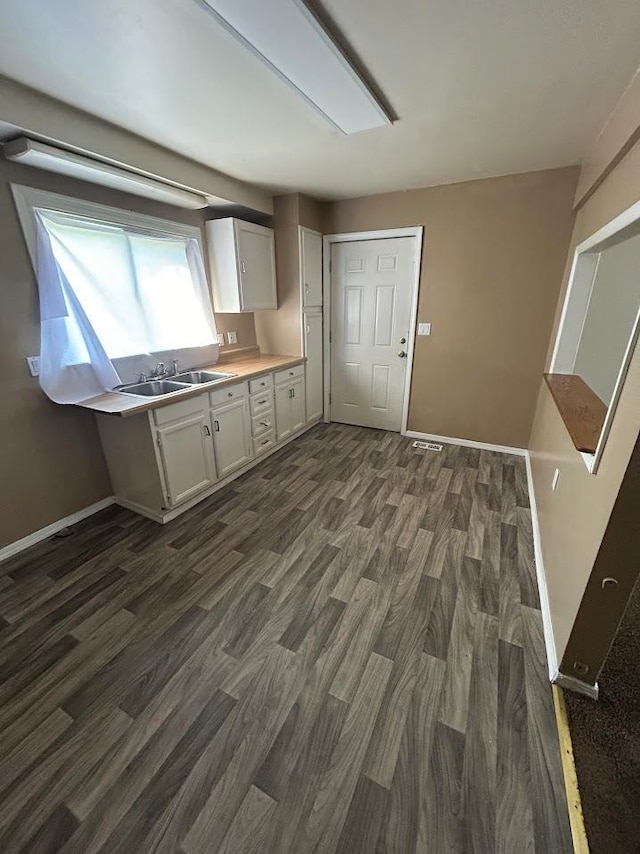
(556, 477)
(221, 339)
(232, 337)
(34, 365)
(424, 329)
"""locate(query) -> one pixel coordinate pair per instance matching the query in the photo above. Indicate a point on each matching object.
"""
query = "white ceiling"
(480, 88)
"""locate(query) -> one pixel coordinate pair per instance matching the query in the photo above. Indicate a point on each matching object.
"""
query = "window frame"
(582, 276)
(28, 199)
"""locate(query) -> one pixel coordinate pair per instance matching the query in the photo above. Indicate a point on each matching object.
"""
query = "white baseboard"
(50, 530)
(466, 443)
(549, 640)
(577, 685)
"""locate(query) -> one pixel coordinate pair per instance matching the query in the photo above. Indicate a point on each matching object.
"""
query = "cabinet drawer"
(227, 394)
(263, 443)
(288, 374)
(260, 383)
(181, 409)
(262, 424)
(261, 403)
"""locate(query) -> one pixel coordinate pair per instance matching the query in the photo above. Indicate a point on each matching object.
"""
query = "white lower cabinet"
(165, 460)
(231, 436)
(312, 342)
(290, 407)
(187, 457)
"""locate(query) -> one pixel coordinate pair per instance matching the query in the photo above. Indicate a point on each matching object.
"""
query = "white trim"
(28, 198)
(577, 685)
(579, 291)
(48, 531)
(466, 443)
(626, 218)
(543, 591)
(417, 232)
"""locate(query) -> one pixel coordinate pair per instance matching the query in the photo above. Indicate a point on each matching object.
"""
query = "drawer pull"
(263, 401)
(265, 441)
(229, 394)
(265, 424)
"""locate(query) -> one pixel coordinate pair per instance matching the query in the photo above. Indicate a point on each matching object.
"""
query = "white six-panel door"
(371, 290)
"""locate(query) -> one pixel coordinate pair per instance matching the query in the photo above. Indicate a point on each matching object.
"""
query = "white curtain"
(113, 302)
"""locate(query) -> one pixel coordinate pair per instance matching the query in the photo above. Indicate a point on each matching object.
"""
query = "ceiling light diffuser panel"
(292, 42)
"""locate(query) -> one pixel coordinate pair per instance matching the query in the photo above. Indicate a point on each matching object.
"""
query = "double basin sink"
(177, 382)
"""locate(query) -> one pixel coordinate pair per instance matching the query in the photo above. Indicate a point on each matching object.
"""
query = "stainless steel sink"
(153, 388)
(197, 377)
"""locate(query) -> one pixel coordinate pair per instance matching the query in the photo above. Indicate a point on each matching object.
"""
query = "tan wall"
(492, 261)
(51, 462)
(44, 116)
(280, 331)
(573, 519)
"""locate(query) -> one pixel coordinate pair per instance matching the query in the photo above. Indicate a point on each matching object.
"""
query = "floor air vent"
(427, 446)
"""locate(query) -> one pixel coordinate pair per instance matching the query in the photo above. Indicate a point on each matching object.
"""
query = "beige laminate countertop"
(115, 403)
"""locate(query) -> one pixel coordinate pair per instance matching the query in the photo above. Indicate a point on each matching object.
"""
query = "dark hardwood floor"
(342, 651)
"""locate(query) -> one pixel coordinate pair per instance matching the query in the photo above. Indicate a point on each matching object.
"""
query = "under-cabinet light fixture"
(43, 156)
(291, 40)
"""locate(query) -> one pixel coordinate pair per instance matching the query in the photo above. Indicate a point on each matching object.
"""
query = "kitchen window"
(119, 292)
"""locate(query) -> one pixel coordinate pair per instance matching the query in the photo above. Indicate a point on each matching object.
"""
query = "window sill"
(581, 410)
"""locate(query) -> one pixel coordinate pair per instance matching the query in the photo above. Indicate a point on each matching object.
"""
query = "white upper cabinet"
(311, 267)
(243, 266)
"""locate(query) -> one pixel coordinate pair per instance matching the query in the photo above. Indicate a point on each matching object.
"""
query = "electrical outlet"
(221, 339)
(232, 337)
(556, 477)
(424, 329)
(34, 365)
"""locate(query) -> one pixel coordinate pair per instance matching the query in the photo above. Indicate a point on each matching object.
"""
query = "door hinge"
(158, 442)
(329, 397)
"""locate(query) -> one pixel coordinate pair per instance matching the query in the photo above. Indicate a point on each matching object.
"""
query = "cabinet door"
(283, 411)
(256, 258)
(231, 440)
(297, 404)
(311, 268)
(186, 452)
(312, 328)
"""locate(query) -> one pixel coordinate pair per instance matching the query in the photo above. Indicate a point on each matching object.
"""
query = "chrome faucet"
(174, 367)
(159, 371)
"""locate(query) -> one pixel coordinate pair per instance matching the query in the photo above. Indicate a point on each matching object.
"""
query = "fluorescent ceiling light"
(53, 159)
(291, 40)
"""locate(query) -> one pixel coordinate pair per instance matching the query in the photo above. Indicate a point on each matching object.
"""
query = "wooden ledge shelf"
(581, 409)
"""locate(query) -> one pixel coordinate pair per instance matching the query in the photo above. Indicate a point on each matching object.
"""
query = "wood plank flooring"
(342, 651)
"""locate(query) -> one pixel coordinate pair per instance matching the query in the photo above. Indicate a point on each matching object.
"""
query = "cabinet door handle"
(207, 432)
(216, 426)
(242, 267)
(229, 394)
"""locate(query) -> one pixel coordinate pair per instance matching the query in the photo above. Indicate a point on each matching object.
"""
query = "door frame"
(417, 233)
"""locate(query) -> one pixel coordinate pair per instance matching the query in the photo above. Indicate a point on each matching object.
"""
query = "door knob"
(403, 340)
(402, 354)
